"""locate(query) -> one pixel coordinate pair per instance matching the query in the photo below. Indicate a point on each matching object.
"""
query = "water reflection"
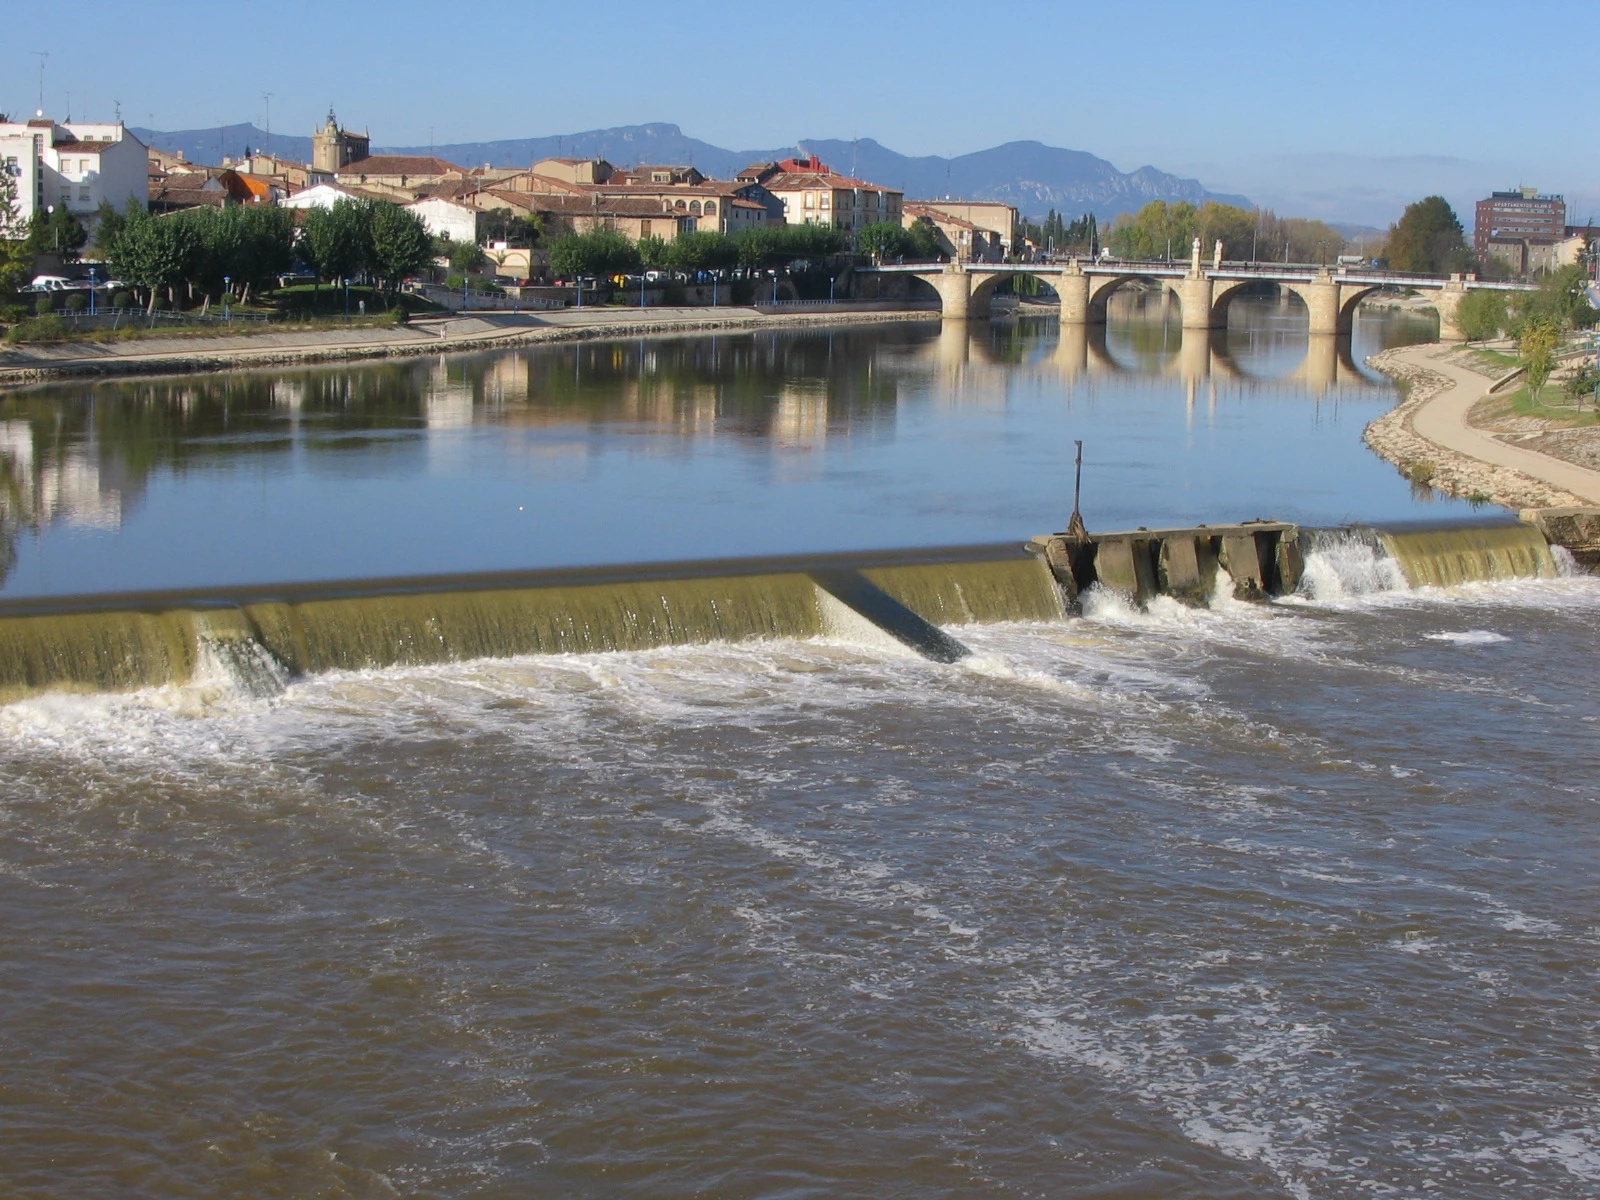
(82, 457)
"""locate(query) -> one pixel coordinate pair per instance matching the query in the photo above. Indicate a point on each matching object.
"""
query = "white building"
(77, 165)
(446, 218)
(322, 195)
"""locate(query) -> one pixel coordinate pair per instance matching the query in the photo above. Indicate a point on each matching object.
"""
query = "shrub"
(77, 302)
(1422, 470)
(44, 303)
(48, 328)
(399, 314)
(12, 313)
(122, 300)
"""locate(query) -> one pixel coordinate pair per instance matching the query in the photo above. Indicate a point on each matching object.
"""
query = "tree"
(154, 253)
(462, 256)
(1481, 315)
(398, 242)
(885, 241)
(652, 252)
(1428, 239)
(1536, 351)
(57, 231)
(925, 243)
(502, 225)
(108, 223)
(1585, 381)
(702, 250)
(1561, 300)
(337, 242)
(600, 252)
(15, 262)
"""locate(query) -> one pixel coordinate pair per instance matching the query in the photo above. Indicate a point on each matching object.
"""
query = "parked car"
(48, 283)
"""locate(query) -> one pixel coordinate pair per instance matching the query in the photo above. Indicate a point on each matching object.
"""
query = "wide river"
(1287, 900)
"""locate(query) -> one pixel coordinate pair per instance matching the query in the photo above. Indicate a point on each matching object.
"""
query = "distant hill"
(1030, 175)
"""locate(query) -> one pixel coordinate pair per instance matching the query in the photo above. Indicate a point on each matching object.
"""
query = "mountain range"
(1030, 175)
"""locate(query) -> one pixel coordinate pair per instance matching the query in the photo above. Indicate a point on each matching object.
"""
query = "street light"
(347, 300)
(227, 295)
(94, 290)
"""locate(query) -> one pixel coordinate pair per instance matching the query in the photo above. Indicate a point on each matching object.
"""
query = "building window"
(694, 206)
(827, 199)
(811, 199)
(644, 227)
(711, 208)
(83, 193)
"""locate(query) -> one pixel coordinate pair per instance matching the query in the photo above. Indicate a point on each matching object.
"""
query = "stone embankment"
(467, 332)
(1449, 454)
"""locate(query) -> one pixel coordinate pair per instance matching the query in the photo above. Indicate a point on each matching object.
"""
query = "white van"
(49, 283)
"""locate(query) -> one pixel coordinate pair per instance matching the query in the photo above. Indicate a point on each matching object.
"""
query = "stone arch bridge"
(1203, 291)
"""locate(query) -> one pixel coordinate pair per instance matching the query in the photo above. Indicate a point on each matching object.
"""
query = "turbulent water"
(1282, 900)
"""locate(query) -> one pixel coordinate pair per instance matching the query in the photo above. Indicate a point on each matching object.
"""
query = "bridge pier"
(1195, 294)
(1446, 301)
(1072, 287)
(954, 285)
(1322, 302)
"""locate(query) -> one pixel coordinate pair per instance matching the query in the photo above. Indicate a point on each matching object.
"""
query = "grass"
(1494, 358)
(1552, 404)
(47, 332)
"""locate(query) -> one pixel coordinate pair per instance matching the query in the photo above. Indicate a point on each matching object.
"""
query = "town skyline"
(1264, 130)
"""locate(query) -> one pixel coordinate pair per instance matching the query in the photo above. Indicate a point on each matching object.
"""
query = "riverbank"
(1433, 441)
(29, 364)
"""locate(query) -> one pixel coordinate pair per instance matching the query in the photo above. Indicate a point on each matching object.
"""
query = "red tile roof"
(400, 164)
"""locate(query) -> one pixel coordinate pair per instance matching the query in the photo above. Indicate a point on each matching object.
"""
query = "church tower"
(333, 149)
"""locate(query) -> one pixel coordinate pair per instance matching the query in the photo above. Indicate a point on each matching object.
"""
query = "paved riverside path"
(1443, 421)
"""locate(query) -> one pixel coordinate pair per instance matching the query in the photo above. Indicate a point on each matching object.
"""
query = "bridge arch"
(985, 284)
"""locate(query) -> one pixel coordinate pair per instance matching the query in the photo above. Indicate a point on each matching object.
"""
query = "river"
(1257, 900)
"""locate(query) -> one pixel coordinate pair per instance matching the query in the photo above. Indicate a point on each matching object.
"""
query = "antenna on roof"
(118, 104)
(42, 55)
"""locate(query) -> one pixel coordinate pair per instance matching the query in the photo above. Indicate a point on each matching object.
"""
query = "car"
(49, 283)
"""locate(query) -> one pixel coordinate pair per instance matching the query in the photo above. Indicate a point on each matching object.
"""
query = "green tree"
(108, 223)
(1561, 300)
(702, 250)
(502, 225)
(1428, 239)
(336, 242)
(463, 257)
(886, 241)
(57, 231)
(925, 243)
(652, 252)
(1536, 351)
(155, 253)
(399, 244)
(601, 252)
(1585, 381)
(15, 261)
(1481, 315)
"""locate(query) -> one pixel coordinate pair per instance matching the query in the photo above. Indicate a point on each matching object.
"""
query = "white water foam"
(1467, 637)
(1344, 565)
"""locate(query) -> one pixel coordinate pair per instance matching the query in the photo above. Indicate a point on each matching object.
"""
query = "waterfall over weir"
(259, 638)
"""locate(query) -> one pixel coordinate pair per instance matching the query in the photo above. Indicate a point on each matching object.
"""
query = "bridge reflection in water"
(1203, 360)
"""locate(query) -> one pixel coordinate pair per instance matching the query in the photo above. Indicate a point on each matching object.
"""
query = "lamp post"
(227, 295)
(347, 299)
(94, 290)
(641, 289)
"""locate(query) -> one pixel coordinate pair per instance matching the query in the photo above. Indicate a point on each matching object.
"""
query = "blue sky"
(1245, 96)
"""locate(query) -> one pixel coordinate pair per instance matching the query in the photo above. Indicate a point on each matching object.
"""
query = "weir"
(259, 638)
(262, 636)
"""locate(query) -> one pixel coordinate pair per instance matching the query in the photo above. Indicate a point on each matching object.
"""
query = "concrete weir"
(257, 639)
(1259, 558)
